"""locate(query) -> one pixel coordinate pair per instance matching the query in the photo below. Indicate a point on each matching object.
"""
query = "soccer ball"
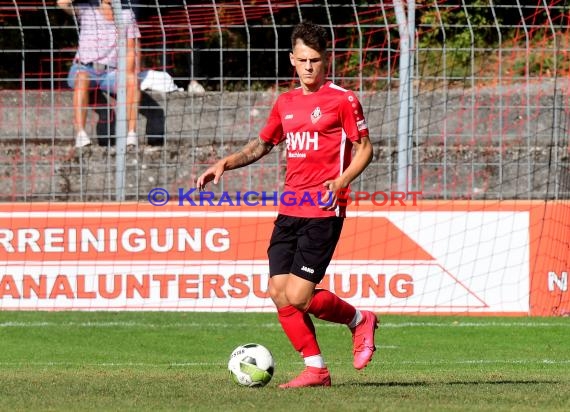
(251, 365)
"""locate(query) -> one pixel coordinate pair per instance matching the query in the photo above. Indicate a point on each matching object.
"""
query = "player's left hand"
(330, 198)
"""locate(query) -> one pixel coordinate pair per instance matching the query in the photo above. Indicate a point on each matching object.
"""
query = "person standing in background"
(96, 61)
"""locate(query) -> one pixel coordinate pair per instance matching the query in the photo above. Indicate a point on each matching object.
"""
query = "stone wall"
(496, 143)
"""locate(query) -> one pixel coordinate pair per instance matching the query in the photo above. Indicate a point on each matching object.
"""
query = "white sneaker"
(196, 88)
(132, 139)
(82, 139)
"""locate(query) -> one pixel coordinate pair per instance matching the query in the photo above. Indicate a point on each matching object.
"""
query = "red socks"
(299, 327)
(327, 306)
(300, 330)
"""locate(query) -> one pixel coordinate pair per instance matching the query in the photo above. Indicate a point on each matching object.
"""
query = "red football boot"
(311, 376)
(363, 339)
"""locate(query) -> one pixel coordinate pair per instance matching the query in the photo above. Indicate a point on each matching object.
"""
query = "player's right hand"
(213, 173)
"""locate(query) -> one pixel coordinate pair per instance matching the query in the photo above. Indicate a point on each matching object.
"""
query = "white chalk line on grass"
(435, 362)
(489, 362)
(230, 325)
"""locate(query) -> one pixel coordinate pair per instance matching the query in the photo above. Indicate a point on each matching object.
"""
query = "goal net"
(463, 210)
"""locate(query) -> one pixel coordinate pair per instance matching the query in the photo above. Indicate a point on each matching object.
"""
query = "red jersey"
(319, 129)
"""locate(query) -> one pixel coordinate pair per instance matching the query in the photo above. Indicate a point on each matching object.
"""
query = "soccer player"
(322, 124)
(96, 62)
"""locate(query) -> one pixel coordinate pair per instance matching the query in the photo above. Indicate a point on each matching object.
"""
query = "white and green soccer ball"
(251, 365)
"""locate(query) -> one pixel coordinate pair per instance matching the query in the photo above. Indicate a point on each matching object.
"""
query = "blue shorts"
(105, 80)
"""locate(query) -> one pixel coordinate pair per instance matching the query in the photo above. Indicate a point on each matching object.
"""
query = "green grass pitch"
(165, 361)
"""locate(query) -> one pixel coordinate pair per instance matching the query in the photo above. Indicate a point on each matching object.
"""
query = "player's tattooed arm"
(254, 150)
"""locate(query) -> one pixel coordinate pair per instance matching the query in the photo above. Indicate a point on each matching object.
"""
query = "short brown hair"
(311, 34)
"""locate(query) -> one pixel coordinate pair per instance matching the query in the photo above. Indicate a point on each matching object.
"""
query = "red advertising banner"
(476, 257)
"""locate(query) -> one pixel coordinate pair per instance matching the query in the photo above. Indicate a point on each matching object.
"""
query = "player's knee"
(277, 295)
(301, 305)
(298, 300)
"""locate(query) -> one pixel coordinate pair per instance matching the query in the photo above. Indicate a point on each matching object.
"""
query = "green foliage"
(458, 30)
(545, 58)
(459, 35)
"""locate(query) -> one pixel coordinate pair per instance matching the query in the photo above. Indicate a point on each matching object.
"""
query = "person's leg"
(133, 97)
(327, 306)
(109, 85)
(80, 80)
(316, 245)
(296, 324)
(81, 99)
(300, 329)
(316, 248)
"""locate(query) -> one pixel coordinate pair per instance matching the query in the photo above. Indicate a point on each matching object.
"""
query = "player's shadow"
(148, 107)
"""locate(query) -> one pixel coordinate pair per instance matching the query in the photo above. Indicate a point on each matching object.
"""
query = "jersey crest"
(316, 115)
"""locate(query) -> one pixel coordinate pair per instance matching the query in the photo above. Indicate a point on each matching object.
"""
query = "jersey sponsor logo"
(288, 116)
(361, 125)
(316, 115)
(297, 154)
(302, 141)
